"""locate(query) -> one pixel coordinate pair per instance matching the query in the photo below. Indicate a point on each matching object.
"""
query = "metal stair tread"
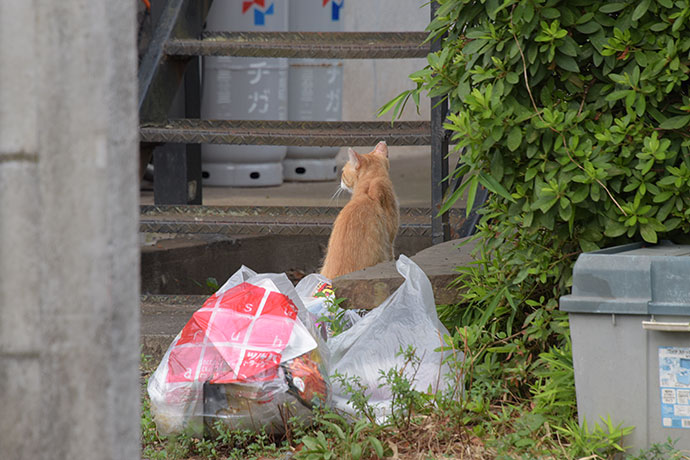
(291, 133)
(324, 45)
(294, 220)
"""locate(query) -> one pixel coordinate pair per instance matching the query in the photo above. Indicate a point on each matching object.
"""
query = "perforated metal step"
(262, 220)
(326, 45)
(304, 133)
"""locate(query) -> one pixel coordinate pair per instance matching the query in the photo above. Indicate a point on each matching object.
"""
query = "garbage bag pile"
(259, 351)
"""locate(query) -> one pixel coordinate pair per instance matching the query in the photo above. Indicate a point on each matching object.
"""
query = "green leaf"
(567, 63)
(356, 451)
(566, 213)
(453, 197)
(310, 442)
(659, 26)
(550, 13)
(512, 77)
(588, 27)
(497, 165)
(663, 196)
(588, 246)
(514, 138)
(612, 7)
(569, 47)
(335, 429)
(471, 193)
(545, 203)
(393, 102)
(614, 228)
(665, 210)
(619, 94)
(676, 122)
(640, 10)
(376, 444)
(648, 233)
(473, 47)
(494, 186)
(580, 194)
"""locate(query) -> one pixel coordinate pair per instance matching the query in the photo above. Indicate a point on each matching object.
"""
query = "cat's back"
(364, 231)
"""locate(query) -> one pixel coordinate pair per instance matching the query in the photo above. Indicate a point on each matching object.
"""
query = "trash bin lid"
(635, 278)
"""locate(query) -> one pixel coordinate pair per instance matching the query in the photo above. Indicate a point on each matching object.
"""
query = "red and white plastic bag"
(249, 357)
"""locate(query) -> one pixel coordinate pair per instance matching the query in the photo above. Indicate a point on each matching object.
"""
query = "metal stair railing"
(178, 40)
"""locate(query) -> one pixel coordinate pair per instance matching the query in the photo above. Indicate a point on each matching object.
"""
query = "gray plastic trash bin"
(630, 327)
(244, 88)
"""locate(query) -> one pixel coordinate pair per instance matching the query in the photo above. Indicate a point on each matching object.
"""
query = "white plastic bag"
(406, 318)
(250, 357)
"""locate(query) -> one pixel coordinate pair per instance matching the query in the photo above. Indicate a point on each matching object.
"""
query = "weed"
(209, 286)
(336, 318)
(337, 438)
(358, 395)
(404, 399)
(658, 451)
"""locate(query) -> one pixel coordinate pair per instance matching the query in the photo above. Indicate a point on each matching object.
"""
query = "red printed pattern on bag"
(234, 338)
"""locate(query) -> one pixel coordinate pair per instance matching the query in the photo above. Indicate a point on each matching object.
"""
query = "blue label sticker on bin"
(674, 381)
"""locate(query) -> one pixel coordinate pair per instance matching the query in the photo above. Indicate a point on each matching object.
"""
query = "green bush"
(578, 109)
(574, 115)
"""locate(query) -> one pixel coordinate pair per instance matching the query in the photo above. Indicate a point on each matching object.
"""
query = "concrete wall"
(68, 230)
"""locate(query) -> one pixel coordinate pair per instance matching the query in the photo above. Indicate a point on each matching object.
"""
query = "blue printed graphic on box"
(335, 8)
(260, 10)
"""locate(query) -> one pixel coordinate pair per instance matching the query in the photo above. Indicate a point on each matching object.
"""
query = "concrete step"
(163, 316)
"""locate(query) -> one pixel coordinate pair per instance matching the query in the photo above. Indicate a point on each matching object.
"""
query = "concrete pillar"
(69, 259)
(19, 235)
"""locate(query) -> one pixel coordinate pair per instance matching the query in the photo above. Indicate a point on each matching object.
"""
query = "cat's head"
(359, 165)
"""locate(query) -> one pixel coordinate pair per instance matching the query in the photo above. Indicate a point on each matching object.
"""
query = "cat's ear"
(353, 158)
(381, 149)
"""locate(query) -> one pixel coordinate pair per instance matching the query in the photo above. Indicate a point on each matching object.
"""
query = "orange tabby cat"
(364, 231)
